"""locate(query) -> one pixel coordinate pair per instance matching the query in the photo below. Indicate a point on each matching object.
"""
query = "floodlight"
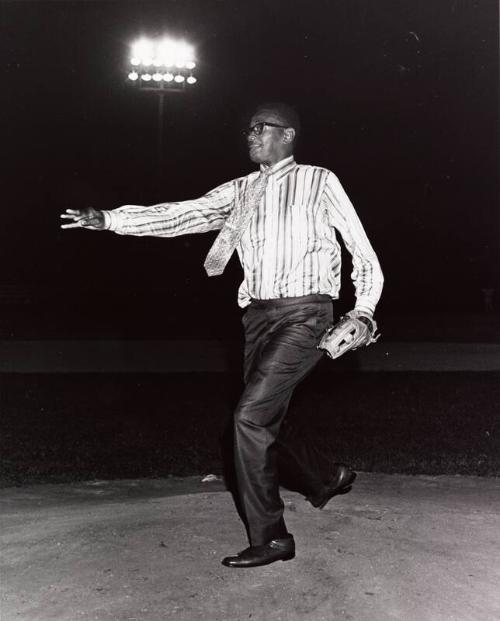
(143, 49)
(161, 67)
(166, 52)
(188, 51)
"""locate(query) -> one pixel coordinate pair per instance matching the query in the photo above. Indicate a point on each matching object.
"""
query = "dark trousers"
(281, 337)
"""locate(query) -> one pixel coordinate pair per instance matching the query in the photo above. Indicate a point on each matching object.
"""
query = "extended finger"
(75, 212)
(85, 221)
(70, 216)
(74, 215)
(73, 225)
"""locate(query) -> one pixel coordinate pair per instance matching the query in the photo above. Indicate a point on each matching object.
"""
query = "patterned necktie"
(234, 227)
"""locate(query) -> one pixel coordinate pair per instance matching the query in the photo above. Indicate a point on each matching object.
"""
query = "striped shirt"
(290, 247)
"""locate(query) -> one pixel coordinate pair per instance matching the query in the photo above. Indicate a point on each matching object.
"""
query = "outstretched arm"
(200, 215)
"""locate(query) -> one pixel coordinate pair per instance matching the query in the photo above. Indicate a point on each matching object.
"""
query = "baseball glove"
(352, 331)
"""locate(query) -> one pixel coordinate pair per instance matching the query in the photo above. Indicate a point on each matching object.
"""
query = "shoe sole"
(345, 489)
(288, 557)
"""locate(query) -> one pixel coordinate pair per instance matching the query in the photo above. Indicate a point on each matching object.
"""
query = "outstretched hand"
(89, 218)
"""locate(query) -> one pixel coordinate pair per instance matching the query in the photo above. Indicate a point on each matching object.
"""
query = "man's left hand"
(355, 329)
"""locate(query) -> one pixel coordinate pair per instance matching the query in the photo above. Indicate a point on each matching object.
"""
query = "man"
(282, 221)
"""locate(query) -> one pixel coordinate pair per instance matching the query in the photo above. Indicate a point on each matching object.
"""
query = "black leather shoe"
(340, 484)
(254, 556)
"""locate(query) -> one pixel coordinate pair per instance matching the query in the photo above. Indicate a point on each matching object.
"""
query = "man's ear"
(288, 135)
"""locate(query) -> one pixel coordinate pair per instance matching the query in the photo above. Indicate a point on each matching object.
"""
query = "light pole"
(161, 66)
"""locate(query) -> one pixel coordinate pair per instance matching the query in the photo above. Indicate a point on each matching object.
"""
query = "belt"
(303, 299)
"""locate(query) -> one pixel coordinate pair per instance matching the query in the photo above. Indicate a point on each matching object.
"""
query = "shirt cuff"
(365, 308)
(109, 223)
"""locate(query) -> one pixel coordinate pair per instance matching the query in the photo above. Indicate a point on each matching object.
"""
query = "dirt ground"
(395, 548)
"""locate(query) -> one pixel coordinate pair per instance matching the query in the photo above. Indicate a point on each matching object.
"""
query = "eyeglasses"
(258, 128)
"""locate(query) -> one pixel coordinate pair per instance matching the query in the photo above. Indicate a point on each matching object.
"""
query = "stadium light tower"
(161, 66)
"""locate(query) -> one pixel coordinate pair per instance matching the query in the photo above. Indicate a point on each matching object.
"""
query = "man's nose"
(251, 138)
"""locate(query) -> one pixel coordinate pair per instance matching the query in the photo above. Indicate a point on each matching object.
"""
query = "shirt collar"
(282, 168)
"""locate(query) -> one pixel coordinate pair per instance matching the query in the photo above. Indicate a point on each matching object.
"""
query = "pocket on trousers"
(324, 319)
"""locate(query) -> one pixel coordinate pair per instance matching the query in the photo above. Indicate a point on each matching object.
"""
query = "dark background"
(398, 97)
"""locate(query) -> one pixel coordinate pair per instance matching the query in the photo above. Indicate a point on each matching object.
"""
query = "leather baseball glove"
(352, 331)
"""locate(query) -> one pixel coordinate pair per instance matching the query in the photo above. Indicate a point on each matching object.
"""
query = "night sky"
(398, 97)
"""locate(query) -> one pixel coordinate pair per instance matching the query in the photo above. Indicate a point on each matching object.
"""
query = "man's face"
(273, 144)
